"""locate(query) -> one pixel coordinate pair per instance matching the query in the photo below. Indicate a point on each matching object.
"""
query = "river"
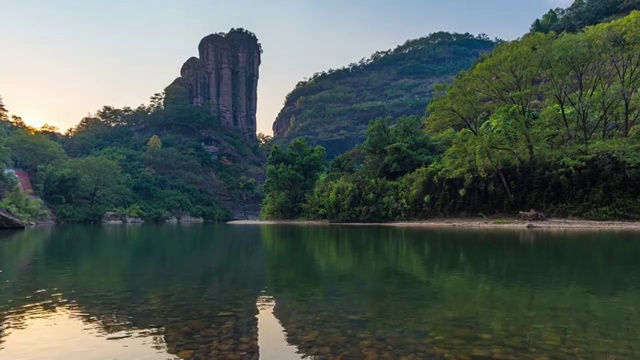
(324, 292)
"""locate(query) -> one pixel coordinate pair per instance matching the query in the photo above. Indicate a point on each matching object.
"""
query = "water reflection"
(271, 334)
(286, 292)
(62, 335)
(412, 293)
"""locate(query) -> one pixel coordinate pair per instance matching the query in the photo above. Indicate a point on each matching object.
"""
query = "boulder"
(112, 218)
(187, 219)
(172, 220)
(134, 220)
(532, 216)
(7, 221)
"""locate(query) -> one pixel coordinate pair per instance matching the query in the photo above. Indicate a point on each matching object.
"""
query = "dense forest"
(550, 121)
(157, 161)
(583, 13)
(334, 108)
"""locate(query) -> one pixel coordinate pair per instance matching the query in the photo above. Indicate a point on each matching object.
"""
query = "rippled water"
(291, 292)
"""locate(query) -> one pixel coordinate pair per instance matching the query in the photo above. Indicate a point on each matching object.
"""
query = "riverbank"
(474, 223)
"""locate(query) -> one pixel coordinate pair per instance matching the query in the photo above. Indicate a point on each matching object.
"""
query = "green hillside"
(548, 122)
(584, 13)
(334, 108)
(158, 161)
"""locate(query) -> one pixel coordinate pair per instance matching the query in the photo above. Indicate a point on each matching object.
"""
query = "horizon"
(143, 54)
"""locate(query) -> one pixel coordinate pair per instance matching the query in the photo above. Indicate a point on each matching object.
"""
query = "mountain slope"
(334, 108)
(584, 13)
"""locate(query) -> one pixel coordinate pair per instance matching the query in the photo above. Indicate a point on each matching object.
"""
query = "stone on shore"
(7, 221)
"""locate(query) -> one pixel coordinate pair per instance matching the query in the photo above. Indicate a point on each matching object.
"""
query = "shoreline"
(470, 223)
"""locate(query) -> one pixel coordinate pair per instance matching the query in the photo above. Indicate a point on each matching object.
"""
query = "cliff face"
(225, 78)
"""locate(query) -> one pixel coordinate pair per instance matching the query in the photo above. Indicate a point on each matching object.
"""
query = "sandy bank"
(474, 224)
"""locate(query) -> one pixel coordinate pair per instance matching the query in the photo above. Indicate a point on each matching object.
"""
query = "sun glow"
(34, 119)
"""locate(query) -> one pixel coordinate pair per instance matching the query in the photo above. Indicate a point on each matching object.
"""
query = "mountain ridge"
(333, 108)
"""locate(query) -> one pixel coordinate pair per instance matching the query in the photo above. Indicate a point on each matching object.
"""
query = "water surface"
(292, 292)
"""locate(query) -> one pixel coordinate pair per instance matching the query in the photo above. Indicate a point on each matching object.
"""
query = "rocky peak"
(224, 77)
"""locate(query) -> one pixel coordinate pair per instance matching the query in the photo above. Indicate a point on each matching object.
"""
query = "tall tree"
(620, 42)
(292, 173)
(4, 113)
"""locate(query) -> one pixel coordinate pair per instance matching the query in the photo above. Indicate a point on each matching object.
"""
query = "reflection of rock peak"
(225, 78)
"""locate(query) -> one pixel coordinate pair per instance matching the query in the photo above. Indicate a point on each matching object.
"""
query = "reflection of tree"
(407, 292)
(339, 290)
(2, 331)
(195, 289)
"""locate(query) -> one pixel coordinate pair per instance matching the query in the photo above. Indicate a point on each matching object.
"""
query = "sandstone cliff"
(225, 78)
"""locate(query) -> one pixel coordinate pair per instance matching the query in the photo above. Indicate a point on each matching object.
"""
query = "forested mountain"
(191, 152)
(157, 161)
(334, 108)
(550, 121)
(584, 13)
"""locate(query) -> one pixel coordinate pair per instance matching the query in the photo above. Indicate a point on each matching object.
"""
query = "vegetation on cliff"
(334, 108)
(156, 161)
(550, 121)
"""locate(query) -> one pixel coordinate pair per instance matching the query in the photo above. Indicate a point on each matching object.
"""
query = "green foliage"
(116, 159)
(583, 13)
(374, 182)
(23, 207)
(334, 108)
(4, 113)
(28, 151)
(154, 143)
(134, 210)
(292, 173)
(83, 189)
(545, 123)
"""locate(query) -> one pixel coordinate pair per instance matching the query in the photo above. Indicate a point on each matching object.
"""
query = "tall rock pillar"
(225, 78)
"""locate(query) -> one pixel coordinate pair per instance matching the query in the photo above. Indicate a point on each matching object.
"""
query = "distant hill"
(334, 108)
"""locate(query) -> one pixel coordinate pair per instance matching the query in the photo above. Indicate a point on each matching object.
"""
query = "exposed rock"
(112, 218)
(172, 220)
(187, 219)
(9, 222)
(225, 77)
(532, 216)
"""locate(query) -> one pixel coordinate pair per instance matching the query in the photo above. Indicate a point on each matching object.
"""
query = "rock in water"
(9, 222)
(188, 219)
(112, 218)
(225, 77)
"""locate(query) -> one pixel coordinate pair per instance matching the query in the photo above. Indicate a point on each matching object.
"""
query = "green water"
(290, 292)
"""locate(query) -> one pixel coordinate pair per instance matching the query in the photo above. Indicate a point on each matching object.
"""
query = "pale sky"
(63, 59)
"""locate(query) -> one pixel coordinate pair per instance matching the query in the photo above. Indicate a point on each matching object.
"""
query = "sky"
(61, 60)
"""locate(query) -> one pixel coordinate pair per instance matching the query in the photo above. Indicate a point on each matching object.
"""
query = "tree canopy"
(160, 160)
(333, 108)
(550, 121)
(583, 13)
(292, 173)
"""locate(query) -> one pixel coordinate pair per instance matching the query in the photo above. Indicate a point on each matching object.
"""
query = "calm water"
(291, 292)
